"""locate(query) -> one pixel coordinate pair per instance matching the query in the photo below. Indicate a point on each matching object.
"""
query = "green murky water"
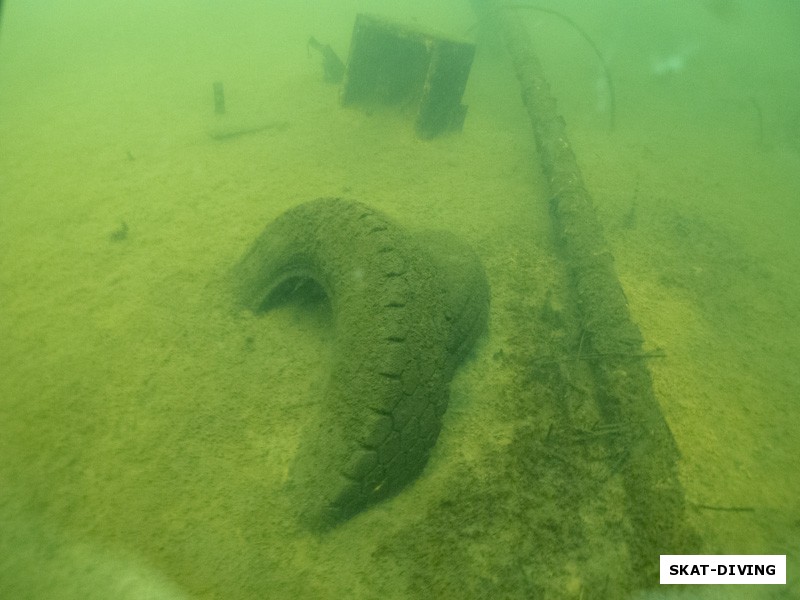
(147, 429)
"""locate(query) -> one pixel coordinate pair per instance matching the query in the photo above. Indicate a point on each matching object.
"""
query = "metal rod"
(219, 98)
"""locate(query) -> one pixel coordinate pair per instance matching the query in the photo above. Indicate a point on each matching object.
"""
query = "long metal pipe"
(655, 502)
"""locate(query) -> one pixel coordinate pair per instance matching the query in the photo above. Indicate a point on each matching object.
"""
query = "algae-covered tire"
(406, 309)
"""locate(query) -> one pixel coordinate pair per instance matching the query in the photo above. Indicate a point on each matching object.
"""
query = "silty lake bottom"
(149, 427)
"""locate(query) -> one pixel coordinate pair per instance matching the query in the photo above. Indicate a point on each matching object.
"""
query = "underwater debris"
(403, 327)
(332, 65)
(120, 233)
(413, 70)
(646, 459)
(219, 98)
(222, 134)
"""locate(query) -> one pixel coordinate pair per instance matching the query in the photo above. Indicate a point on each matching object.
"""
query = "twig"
(551, 360)
(722, 508)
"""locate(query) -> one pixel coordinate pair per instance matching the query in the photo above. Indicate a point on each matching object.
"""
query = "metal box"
(418, 72)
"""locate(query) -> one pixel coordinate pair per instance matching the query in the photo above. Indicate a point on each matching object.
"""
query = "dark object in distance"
(419, 71)
(120, 233)
(219, 98)
(332, 65)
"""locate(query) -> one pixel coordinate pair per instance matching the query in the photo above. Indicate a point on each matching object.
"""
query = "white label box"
(723, 569)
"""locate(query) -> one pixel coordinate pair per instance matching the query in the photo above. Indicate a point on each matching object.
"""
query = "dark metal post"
(219, 98)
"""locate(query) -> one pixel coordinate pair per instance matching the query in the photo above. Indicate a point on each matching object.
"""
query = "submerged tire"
(406, 311)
